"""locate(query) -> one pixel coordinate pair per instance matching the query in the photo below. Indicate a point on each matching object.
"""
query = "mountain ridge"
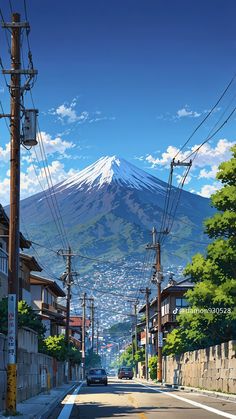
(108, 213)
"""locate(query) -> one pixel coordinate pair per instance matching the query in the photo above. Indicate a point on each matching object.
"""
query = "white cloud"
(102, 118)
(53, 145)
(187, 112)
(67, 113)
(5, 153)
(33, 177)
(208, 174)
(208, 156)
(179, 178)
(208, 190)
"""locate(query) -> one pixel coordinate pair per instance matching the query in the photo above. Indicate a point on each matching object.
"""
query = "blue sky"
(128, 77)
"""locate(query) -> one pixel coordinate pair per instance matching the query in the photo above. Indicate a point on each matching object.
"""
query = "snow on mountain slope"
(112, 169)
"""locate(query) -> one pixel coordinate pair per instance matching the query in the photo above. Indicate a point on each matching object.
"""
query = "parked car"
(97, 376)
(125, 372)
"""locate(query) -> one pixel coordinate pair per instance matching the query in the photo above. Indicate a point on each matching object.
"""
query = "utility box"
(30, 127)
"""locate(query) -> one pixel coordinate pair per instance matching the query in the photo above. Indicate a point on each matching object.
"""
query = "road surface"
(123, 399)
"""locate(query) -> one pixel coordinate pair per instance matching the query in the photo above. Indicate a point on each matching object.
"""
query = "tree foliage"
(152, 365)
(56, 347)
(126, 358)
(26, 318)
(212, 319)
(92, 360)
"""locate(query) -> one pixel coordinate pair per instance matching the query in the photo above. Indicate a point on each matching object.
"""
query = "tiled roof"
(76, 321)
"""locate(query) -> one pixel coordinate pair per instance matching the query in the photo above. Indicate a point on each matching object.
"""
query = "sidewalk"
(41, 406)
(217, 394)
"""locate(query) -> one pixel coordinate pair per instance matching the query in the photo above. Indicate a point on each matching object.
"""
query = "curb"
(216, 394)
(54, 404)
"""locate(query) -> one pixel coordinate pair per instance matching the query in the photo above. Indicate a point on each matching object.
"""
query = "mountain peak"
(112, 169)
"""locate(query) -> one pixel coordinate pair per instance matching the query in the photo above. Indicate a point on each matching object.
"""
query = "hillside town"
(117, 274)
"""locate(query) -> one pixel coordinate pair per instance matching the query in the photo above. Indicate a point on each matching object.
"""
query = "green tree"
(140, 355)
(56, 347)
(213, 299)
(126, 358)
(26, 318)
(152, 365)
(92, 360)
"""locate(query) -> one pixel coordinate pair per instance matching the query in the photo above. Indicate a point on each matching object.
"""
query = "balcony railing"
(3, 261)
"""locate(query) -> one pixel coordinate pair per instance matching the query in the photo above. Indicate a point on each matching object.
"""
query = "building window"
(165, 307)
(3, 262)
(181, 302)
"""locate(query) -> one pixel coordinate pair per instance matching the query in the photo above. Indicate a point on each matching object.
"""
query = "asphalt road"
(123, 399)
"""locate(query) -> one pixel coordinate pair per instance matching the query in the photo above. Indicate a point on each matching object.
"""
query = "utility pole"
(67, 277)
(147, 292)
(157, 278)
(83, 335)
(13, 276)
(135, 337)
(97, 343)
(92, 323)
(68, 296)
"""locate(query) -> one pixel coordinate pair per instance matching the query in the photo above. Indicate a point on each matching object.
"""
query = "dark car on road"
(97, 376)
(125, 372)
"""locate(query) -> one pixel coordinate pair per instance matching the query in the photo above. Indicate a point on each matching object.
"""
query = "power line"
(194, 153)
(207, 116)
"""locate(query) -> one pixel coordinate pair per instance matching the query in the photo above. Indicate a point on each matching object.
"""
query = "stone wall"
(213, 368)
(32, 369)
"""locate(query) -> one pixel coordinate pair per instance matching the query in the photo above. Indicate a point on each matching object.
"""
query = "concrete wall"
(32, 368)
(213, 368)
(28, 340)
(3, 374)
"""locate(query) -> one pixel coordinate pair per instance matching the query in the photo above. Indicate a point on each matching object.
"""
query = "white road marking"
(66, 411)
(202, 406)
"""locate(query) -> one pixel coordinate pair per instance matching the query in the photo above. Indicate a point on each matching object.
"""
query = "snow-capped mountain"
(112, 169)
(109, 209)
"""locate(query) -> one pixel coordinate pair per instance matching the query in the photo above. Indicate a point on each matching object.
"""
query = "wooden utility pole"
(158, 277)
(97, 343)
(83, 335)
(135, 337)
(14, 224)
(68, 296)
(147, 292)
(67, 277)
(14, 233)
(92, 323)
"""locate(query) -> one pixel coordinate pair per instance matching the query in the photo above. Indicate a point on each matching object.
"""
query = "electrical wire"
(207, 116)
(194, 152)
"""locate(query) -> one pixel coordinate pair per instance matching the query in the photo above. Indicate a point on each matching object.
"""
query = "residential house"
(172, 301)
(45, 294)
(75, 331)
(4, 238)
(27, 265)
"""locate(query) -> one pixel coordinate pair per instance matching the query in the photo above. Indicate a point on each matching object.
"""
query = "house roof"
(4, 220)
(49, 283)
(31, 262)
(176, 287)
(76, 321)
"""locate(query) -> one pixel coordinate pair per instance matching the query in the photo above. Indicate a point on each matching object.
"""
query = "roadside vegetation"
(211, 317)
(54, 346)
